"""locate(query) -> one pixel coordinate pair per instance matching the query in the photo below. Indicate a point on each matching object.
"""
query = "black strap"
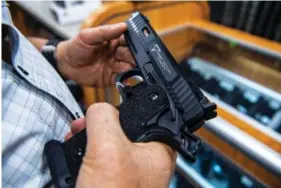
(48, 52)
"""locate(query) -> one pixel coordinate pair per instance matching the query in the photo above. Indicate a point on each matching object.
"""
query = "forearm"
(38, 42)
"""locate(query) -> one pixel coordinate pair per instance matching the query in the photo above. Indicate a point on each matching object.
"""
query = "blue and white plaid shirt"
(37, 106)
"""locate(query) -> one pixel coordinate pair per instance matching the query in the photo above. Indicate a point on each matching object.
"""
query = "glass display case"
(245, 81)
(216, 171)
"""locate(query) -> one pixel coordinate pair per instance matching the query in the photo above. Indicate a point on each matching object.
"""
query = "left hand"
(76, 126)
(112, 160)
(95, 55)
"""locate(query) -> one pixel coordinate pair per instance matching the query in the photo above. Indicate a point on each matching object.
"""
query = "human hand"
(111, 160)
(95, 55)
(76, 126)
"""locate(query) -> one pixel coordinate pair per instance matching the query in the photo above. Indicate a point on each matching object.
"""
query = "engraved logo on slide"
(156, 48)
(160, 59)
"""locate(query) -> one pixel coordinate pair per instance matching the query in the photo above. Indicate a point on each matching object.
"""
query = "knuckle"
(83, 35)
(105, 27)
(100, 29)
(122, 50)
(94, 108)
(106, 107)
(103, 30)
(101, 108)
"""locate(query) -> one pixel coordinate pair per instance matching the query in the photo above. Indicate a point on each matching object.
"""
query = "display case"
(245, 83)
(212, 170)
(244, 79)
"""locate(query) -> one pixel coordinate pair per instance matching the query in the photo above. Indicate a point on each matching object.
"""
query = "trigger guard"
(120, 78)
(165, 136)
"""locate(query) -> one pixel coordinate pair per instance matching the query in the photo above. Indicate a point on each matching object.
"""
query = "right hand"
(111, 160)
(95, 56)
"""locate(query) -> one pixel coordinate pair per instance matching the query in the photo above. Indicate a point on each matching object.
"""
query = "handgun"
(163, 106)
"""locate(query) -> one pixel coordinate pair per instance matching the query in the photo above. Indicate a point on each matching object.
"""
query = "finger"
(68, 136)
(102, 122)
(100, 34)
(77, 125)
(124, 54)
(113, 78)
(121, 67)
(122, 41)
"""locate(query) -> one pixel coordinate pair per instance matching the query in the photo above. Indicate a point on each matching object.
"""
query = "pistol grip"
(135, 111)
(139, 107)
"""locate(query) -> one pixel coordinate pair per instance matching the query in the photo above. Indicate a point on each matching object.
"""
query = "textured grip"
(140, 105)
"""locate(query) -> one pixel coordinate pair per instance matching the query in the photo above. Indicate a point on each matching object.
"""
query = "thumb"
(102, 122)
(100, 34)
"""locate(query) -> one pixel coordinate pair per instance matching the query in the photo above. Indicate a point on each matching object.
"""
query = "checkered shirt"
(37, 106)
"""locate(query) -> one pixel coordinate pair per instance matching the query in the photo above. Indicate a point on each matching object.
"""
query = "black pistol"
(164, 106)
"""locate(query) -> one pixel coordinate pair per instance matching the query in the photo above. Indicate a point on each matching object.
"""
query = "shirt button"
(77, 115)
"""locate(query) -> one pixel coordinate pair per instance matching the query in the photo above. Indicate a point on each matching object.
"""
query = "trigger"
(121, 77)
(126, 90)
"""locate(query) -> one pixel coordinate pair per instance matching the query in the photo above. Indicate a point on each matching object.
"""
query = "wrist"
(53, 52)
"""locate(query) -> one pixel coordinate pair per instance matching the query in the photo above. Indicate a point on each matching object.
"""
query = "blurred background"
(232, 50)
